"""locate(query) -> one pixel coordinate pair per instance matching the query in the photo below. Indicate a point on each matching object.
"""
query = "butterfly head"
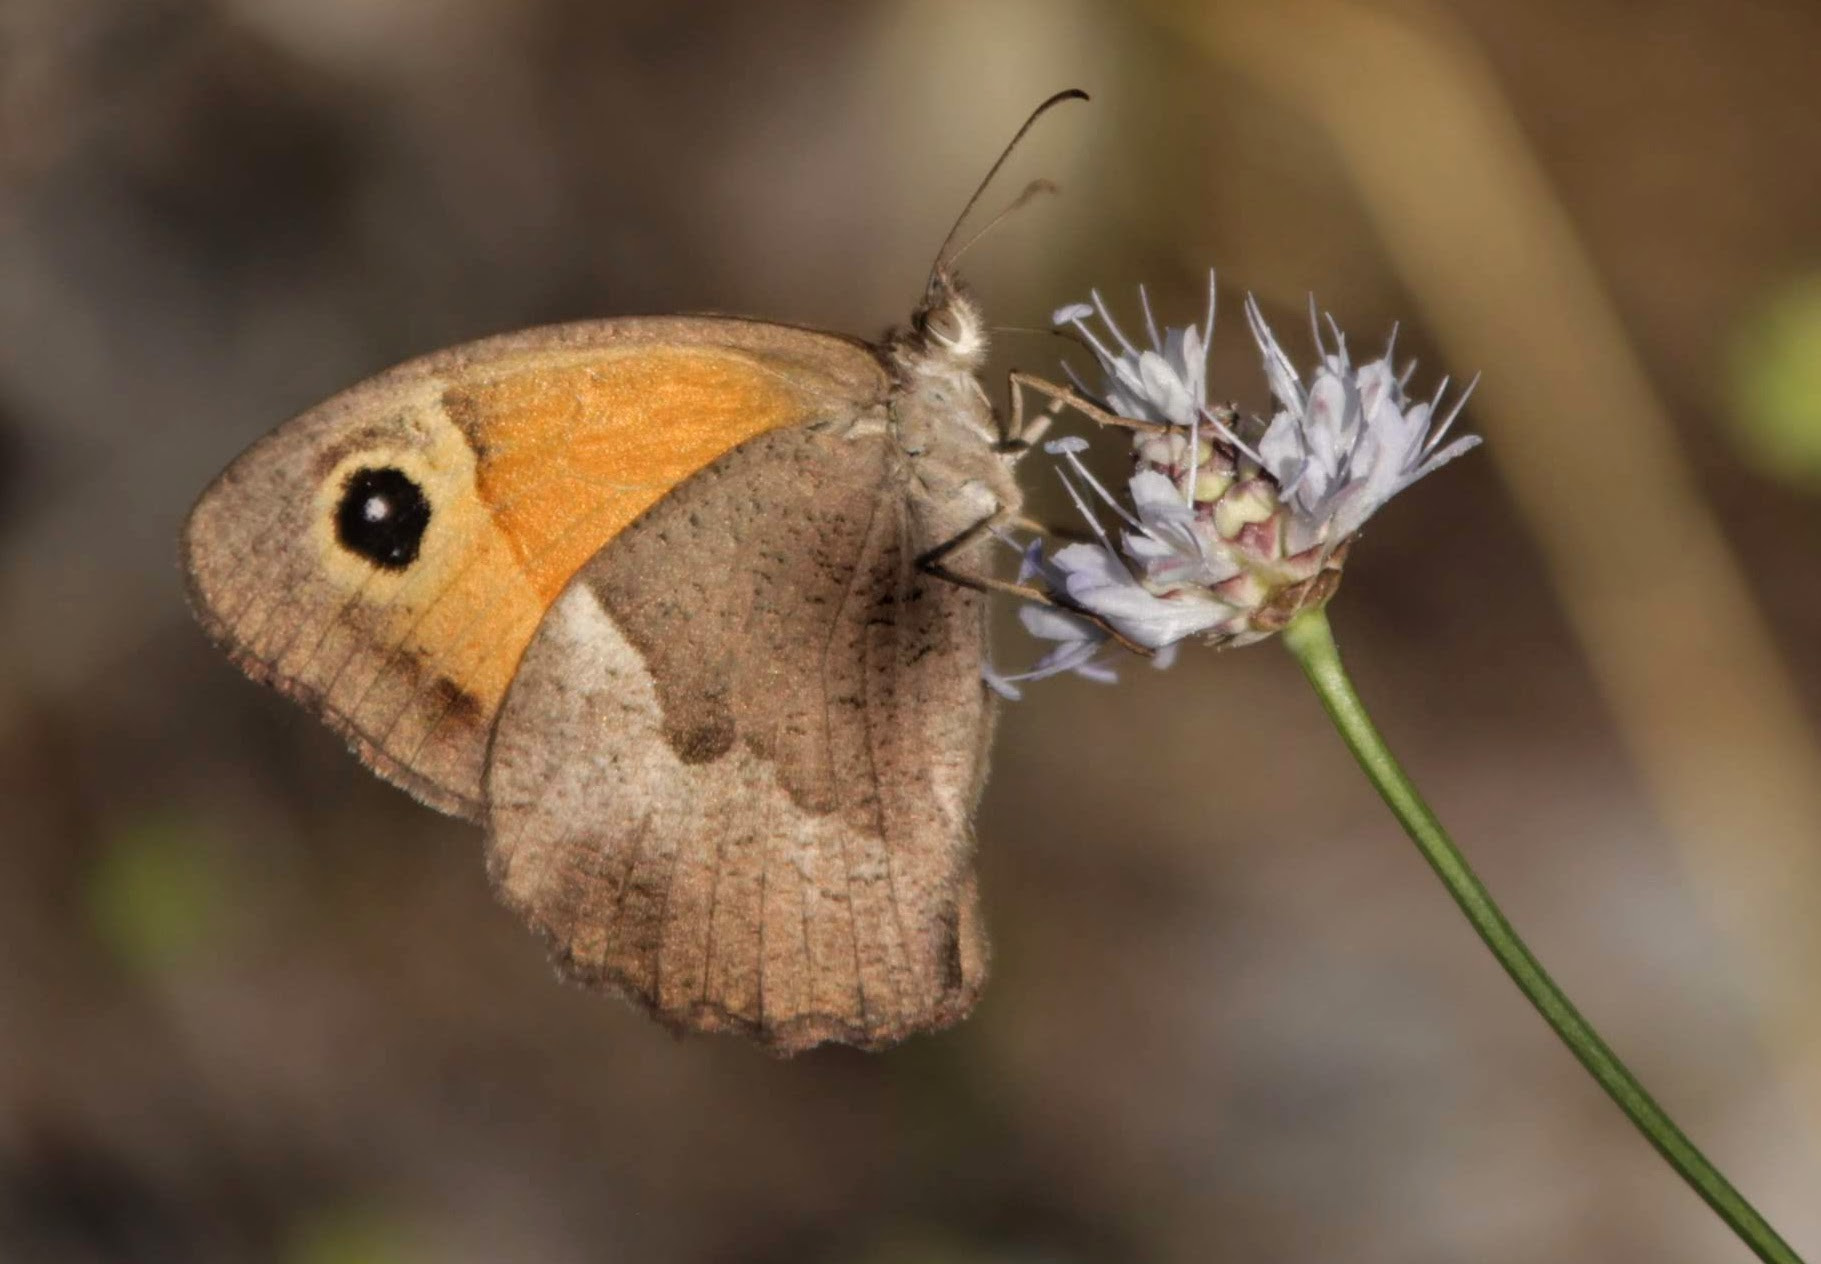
(946, 335)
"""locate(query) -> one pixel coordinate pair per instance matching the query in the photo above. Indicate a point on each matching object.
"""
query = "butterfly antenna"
(943, 257)
(1033, 190)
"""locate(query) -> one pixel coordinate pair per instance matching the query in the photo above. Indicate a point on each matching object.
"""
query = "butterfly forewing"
(386, 557)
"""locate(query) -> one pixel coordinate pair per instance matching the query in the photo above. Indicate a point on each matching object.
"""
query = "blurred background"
(255, 1005)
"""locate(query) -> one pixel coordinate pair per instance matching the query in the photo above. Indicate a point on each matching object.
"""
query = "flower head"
(1219, 537)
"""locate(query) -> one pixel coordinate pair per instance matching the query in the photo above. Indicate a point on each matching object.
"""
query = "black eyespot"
(382, 517)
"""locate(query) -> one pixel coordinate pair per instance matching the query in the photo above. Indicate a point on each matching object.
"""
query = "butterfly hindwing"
(734, 776)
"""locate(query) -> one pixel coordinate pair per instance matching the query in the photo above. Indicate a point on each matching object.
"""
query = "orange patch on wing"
(569, 455)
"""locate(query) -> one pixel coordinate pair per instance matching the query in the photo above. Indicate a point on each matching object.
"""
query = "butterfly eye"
(943, 325)
(382, 517)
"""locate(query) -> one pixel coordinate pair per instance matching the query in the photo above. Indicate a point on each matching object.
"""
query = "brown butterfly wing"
(530, 451)
(735, 775)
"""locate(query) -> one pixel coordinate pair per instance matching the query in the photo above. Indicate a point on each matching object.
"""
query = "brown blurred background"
(254, 1005)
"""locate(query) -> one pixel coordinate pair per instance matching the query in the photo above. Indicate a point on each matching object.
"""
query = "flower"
(1351, 440)
(1078, 640)
(1225, 539)
(1170, 597)
(1167, 381)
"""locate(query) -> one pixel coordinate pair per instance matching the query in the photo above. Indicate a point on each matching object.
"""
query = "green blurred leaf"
(1776, 384)
(349, 1235)
(155, 895)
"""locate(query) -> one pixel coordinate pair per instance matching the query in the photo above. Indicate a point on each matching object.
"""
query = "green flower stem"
(1311, 640)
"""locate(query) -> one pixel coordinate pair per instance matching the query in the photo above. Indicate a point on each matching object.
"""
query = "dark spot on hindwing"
(703, 742)
(382, 517)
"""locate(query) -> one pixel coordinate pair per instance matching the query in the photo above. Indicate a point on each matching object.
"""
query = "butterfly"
(669, 606)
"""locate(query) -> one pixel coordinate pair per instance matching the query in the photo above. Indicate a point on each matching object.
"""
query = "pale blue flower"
(1350, 440)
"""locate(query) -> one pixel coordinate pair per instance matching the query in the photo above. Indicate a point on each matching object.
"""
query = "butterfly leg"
(935, 563)
(1019, 439)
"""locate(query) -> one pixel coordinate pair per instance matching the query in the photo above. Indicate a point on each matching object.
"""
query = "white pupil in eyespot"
(377, 509)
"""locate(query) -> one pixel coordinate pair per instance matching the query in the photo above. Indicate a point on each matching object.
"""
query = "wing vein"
(861, 566)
